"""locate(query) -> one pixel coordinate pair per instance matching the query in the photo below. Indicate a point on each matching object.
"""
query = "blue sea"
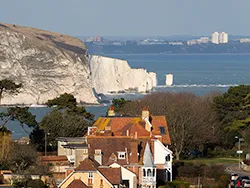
(196, 73)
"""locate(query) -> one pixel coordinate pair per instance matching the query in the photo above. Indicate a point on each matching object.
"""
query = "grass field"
(210, 161)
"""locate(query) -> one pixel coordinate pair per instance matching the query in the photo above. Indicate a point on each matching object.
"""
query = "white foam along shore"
(198, 85)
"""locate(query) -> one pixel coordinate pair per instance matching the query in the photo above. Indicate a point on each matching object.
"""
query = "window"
(98, 152)
(162, 130)
(144, 173)
(90, 179)
(101, 182)
(121, 155)
(149, 173)
(153, 172)
(167, 157)
(91, 175)
(85, 151)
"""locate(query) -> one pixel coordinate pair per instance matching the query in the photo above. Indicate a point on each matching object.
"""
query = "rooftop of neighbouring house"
(112, 146)
(77, 183)
(134, 126)
(88, 164)
(72, 139)
(53, 158)
(113, 175)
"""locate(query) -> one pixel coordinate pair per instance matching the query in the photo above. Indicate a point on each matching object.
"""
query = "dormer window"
(163, 130)
(85, 151)
(98, 152)
(121, 155)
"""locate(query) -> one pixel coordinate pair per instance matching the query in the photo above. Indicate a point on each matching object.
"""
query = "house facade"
(90, 174)
(138, 146)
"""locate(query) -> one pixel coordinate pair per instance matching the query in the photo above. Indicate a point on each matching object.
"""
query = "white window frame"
(98, 152)
(121, 155)
(85, 151)
(91, 175)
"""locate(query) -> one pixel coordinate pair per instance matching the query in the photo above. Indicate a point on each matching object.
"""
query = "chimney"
(127, 132)
(98, 156)
(133, 157)
(111, 111)
(145, 113)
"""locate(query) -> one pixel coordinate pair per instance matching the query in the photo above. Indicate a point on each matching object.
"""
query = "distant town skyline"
(130, 18)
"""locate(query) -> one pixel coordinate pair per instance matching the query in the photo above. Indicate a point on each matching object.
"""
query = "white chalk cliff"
(49, 64)
(114, 75)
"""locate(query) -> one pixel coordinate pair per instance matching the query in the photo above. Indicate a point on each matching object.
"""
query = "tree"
(68, 102)
(191, 120)
(20, 114)
(9, 87)
(233, 108)
(65, 120)
(22, 158)
(58, 124)
(119, 103)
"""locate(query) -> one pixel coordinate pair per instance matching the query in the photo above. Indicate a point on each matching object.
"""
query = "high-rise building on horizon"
(215, 38)
(223, 37)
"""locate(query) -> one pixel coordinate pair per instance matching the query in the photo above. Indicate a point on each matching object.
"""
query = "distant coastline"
(229, 48)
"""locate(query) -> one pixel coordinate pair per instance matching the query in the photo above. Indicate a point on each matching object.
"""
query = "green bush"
(224, 180)
(191, 170)
(35, 183)
(246, 161)
(220, 152)
(176, 184)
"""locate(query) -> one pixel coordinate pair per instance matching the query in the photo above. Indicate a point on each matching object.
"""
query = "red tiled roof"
(111, 145)
(113, 175)
(77, 184)
(53, 158)
(134, 128)
(117, 123)
(87, 164)
(157, 122)
(111, 108)
(108, 145)
(120, 125)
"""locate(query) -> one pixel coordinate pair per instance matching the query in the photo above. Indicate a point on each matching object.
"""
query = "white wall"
(127, 175)
(160, 153)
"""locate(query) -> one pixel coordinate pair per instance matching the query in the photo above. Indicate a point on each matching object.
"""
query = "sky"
(130, 17)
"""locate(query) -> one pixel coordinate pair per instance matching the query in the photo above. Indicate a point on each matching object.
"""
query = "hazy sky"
(130, 17)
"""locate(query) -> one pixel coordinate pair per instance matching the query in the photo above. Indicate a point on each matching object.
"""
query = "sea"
(196, 73)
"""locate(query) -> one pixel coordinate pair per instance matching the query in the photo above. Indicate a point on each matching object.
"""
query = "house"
(148, 170)
(127, 152)
(136, 145)
(90, 174)
(145, 125)
(23, 141)
(57, 165)
(73, 148)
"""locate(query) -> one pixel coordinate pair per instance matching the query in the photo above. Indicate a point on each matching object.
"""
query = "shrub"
(176, 184)
(246, 161)
(191, 170)
(35, 183)
(224, 180)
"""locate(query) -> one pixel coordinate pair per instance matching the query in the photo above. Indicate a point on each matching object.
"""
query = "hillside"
(46, 63)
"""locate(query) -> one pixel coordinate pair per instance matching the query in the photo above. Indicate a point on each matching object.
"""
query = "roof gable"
(113, 175)
(147, 157)
(87, 164)
(77, 183)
